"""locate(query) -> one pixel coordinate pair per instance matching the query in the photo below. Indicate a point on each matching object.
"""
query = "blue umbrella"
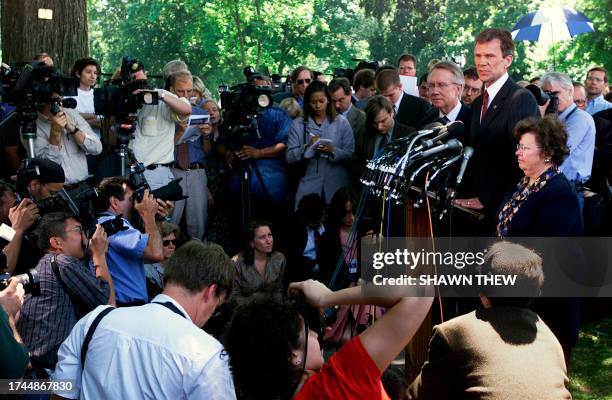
(551, 24)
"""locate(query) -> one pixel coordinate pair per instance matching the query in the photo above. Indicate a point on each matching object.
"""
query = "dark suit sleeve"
(558, 215)
(436, 377)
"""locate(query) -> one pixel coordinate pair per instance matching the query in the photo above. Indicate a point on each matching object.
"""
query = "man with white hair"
(580, 128)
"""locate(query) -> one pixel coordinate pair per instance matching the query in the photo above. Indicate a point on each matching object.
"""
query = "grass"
(591, 370)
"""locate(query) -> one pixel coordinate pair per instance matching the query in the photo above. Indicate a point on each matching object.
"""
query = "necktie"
(383, 142)
(485, 102)
(183, 156)
(394, 110)
(445, 120)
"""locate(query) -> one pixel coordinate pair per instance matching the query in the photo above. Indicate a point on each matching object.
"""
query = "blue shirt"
(125, 261)
(597, 104)
(581, 142)
(196, 152)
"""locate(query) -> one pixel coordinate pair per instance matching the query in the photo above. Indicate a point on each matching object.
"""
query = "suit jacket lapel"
(496, 105)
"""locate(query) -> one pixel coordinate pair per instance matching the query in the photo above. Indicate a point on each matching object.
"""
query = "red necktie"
(485, 101)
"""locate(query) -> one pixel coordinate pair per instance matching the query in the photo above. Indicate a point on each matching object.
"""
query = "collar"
(399, 101)
(563, 115)
(496, 86)
(162, 298)
(453, 114)
(348, 110)
(596, 99)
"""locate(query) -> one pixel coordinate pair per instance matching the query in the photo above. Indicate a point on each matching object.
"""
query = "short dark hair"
(577, 84)
(318, 87)
(109, 187)
(340, 83)
(248, 253)
(375, 105)
(534, 79)
(48, 171)
(195, 266)
(337, 207)
(365, 77)
(504, 37)
(261, 337)
(80, 64)
(599, 69)
(470, 73)
(422, 79)
(387, 78)
(550, 134)
(51, 225)
(407, 57)
(311, 207)
(506, 258)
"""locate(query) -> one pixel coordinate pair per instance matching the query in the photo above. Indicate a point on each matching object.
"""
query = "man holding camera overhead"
(153, 143)
(129, 248)
(65, 137)
(66, 290)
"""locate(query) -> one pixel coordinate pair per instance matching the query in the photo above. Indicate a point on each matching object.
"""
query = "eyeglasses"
(441, 85)
(168, 242)
(472, 89)
(304, 81)
(78, 229)
(579, 101)
(594, 79)
(525, 148)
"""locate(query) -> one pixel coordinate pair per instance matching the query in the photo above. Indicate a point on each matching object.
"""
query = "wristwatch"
(74, 131)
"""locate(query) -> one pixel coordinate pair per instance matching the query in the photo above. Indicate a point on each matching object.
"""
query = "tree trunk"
(64, 37)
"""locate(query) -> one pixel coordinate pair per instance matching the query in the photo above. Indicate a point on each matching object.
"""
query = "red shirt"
(349, 374)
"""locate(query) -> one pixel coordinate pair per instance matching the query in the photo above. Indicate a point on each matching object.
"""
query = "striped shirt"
(47, 319)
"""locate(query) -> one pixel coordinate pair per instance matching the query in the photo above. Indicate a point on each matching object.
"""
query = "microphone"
(467, 154)
(452, 144)
(454, 128)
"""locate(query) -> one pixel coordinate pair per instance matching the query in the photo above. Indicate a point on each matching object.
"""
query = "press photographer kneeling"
(129, 248)
(67, 287)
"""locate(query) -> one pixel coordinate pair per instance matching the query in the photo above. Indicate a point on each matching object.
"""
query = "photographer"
(153, 143)
(65, 137)
(580, 128)
(128, 249)
(13, 352)
(68, 288)
(44, 179)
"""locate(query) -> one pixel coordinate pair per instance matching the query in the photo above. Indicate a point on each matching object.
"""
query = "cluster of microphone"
(434, 150)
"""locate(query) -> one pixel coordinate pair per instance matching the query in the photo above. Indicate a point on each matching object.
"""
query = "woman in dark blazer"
(544, 204)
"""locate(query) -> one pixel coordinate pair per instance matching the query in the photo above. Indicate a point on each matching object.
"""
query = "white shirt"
(68, 154)
(453, 114)
(153, 141)
(399, 101)
(85, 104)
(495, 87)
(145, 352)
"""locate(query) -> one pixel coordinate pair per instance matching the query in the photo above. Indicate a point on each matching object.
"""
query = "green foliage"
(217, 38)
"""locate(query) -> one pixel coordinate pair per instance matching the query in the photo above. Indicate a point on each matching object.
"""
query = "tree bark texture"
(64, 37)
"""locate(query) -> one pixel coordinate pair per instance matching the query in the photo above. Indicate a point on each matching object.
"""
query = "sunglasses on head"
(168, 242)
(302, 81)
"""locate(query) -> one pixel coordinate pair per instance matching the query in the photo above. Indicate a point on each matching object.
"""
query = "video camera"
(137, 181)
(241, 105)
(117, 99)
(349, 73)
(542, 96)
(30, 281)
(29, 84)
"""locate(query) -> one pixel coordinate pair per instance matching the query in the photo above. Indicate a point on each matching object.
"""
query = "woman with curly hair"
(274, 356)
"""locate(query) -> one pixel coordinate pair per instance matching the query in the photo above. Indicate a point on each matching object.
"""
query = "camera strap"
(79, 307)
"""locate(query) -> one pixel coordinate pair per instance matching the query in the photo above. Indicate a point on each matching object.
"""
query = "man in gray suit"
(340, 89)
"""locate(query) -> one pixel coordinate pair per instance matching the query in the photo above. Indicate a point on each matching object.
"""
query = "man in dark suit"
(408, 109)
(493, 170)
(340, 89)
(502, 352)
(445, 81)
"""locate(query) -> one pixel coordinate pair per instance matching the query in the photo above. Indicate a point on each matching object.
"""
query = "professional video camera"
(30, 281)
(349, 73)
(172, 191)
(241, 105)
(542, 96)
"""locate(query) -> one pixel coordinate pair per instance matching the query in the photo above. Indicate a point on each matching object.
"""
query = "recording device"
(57, 104)
(137, 181)
(30, 281)
(111, 227)
(542, 96)
(241, 105)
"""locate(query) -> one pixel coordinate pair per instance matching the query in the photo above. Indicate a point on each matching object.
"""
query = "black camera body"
(349, 73)
(137, 181)
(241, 105)
(30, 281)
(29, 84)
(542, 96)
